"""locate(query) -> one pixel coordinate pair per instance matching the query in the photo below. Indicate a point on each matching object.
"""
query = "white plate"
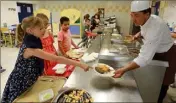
(80, 50)
(109, 74)
(59, 66)
(74, 55)
(60, 70)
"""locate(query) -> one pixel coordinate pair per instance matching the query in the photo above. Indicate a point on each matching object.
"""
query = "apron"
(170, 57)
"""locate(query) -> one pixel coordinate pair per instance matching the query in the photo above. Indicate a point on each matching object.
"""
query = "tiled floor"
(8, 59)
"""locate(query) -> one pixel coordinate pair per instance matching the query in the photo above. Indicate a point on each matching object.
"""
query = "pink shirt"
(65, 38)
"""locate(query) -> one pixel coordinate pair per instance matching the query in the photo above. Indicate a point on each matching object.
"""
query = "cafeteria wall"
(120, 9)
(11, 16)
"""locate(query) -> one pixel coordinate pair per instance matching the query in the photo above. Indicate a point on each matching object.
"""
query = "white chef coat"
(157, 39)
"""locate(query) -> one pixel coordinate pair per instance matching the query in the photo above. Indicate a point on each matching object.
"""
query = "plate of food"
(73, 95)
(128, 39)
(80, 50)
(104, 70)
(74, 55)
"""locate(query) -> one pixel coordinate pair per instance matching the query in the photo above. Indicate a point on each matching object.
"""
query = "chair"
(2, 40)
(7, 37)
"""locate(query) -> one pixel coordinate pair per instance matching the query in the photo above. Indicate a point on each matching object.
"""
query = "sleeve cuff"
(140, 62)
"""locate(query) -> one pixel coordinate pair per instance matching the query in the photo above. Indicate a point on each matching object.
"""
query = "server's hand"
(137, 36)
(119, 72)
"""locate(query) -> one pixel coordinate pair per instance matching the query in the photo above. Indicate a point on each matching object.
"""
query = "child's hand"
(76, 47)
(85, 67)
(65, 55)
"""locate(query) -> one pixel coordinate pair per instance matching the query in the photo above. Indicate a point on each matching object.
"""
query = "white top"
(138, 5)
(157, 39)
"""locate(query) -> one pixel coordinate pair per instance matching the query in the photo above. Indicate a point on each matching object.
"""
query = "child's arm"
(75, 46)
(47, 56)
(61, 49)
(60, 39)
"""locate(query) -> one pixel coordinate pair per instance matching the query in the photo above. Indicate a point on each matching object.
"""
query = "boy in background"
(64, 37)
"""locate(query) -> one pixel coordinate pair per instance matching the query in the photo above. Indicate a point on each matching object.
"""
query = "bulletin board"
(75, 29)
(75, 21)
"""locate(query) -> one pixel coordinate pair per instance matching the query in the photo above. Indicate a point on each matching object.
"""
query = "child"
(86, 32)
(95, 22)
(64, 37)
(47, 43)
(29, 65)
(87, 22)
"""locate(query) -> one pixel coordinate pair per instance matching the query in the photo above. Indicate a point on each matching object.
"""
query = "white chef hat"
(137, 6)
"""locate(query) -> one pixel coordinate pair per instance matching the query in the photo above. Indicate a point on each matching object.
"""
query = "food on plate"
(128, 39)
(134, 52)
(80, 96)
(74, 54)
(102, 68)
(46, 95)
(117, 36)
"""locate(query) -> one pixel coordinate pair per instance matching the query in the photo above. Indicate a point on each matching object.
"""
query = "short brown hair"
(43, 17)
(86, 16)
(30, 22)
(63, 19)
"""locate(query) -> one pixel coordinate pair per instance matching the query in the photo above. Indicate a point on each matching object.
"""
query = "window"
(29, 9)
(19, 9)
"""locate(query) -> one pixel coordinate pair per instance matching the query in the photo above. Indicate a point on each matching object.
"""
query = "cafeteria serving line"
(131, 85)
(91, 52)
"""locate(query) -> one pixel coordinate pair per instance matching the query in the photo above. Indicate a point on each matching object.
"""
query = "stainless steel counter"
(141, 85)
(148, 79)
(104, 89)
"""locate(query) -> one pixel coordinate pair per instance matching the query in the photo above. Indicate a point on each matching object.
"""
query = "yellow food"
(104, 68)
(128, 39)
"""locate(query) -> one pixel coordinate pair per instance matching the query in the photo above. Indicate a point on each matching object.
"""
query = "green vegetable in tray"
(47, 96)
